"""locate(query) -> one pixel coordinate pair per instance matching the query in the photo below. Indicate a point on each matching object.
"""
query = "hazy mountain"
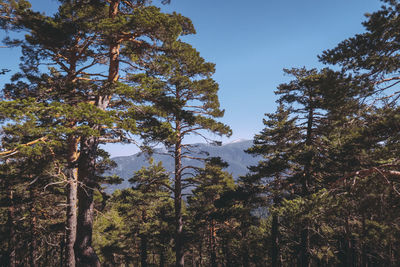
(233, 153)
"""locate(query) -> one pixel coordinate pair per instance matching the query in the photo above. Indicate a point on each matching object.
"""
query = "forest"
(326, 191)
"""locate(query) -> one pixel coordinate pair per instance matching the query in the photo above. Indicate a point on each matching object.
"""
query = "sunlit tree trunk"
(72, 179)
(179, 251)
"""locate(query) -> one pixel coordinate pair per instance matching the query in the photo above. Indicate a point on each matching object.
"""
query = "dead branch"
(15, 150)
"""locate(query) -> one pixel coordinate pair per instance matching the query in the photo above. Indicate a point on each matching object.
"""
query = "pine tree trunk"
(33, 245)
(113, 68)
(162, 258)
(179, 252)
(193, 258)
(364, 259)
(72, 176)
(305, 245)
(348, 246)
(228, 261)
(84, 252)
(275, 242)
(201, 253)
(143, 250)
(71, 218)
(11, 229)
(245, 257)
(143, 243)
(305, 238)
(245, 249)
(62, 248)
(213, 255)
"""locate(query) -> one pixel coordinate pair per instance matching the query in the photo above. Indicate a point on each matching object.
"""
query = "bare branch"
(15, 150)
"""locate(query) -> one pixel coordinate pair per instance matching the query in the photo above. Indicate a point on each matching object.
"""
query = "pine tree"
(75, 97)
(210, 183)
(371, 58)
(186, 104)
(276, 143)
(139, 214)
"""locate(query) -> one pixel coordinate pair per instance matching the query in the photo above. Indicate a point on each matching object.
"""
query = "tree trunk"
(62, 248)
(213, 255)
(349, 251)
(201, 253)
(33, 245)
(11, 228)
(113, 68)
(143, 250)
(179, 251)
(72, 176)
(162, 258)
(245, 257)
(305, 245)
(245, 249)
(305, 238)
(143, 243)
(227, 253)
(274, 241)
(364, 258)
(71, 218)
(84, 252)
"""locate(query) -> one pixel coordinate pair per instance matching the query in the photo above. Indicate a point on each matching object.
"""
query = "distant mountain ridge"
(233, 153)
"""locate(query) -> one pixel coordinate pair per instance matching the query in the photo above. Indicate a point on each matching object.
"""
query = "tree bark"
(213, 255)
(33, 245)
(72, 177)
(143, 243)
(305, 238)
(143, 250)
(227, 253)
(349, 252)
(11, 228)
(245, 249)
(84, 252)
(162, 258)
(62, 248)
(305, 245)
(275, 241)
(179, 252)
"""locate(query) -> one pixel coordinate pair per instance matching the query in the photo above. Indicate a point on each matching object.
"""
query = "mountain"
(233, 153)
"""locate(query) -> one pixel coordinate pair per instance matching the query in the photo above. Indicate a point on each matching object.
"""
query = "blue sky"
(251, 42)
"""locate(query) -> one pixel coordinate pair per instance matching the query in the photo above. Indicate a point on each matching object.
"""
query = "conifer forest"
(325, 192)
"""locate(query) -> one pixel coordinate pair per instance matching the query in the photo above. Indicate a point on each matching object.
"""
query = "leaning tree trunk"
(84, 252)
(179, 252)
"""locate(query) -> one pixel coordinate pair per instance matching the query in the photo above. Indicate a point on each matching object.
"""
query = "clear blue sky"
(251, 42)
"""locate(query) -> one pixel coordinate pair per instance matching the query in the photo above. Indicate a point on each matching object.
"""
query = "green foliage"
(325, 193)
(143, 211)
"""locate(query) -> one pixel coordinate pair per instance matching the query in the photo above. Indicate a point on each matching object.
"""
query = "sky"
(251, 42)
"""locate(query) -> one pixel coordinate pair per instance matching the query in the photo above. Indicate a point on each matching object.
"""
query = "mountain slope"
(233, 153)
